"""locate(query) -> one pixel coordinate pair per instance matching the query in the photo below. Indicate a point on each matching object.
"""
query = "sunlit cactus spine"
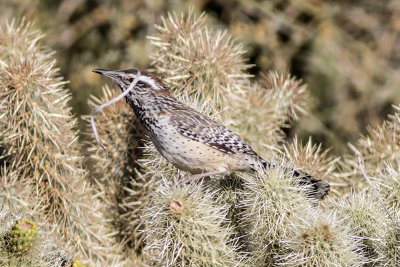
(373, 167)
(269, 202)
(316, 161)
(368, 221)
(271, 104)
(390, 250)
(118, 177)
(229, 195)
(186, 228)
(10, 185)
(319, 239)
(387, 189)
(197, 61)
(377, 149)
(387, 183)
(37, 132)
(288, 94)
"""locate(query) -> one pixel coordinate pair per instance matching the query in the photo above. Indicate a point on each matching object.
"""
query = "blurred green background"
(346, 51)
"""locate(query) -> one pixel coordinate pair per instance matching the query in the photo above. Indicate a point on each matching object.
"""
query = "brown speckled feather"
(200, 128)
(190, 140)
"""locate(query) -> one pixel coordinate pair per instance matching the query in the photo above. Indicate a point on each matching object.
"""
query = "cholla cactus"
(376, 150)
(272, 102)
(316, 162)
(77, 263)
(390, 250)
(124, 190)
(21, 237)
(37, 133)
(23, 244)
(245, 219)
(376, 174)
(319, 239)
(288, 94)
(10, 184)
(197, 61)
(122, 136)
(388, 185)
(368, 221)
(186, 228)
(269, 201)
(18, 246)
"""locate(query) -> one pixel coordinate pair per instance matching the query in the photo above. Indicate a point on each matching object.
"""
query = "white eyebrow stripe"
(150, 81)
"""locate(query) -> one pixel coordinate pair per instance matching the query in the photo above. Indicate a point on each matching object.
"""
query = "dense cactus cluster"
(326, 43)
(124, 190)
(42, 171)
(133, 208)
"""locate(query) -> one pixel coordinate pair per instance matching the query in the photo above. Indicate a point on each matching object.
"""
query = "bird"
(188, 139)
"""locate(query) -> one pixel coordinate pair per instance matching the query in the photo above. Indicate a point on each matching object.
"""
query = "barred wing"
(200, 128)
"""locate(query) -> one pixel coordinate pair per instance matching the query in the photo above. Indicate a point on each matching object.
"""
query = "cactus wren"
(188, 139)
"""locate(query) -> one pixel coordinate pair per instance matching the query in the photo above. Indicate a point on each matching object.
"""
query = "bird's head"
(124, 78)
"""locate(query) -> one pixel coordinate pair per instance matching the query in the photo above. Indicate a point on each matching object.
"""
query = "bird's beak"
(108, 73)
(115, 75)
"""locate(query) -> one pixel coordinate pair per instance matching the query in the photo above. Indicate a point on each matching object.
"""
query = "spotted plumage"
(188, 139)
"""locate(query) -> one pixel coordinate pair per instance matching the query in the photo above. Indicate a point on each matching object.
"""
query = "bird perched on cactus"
(188, 139)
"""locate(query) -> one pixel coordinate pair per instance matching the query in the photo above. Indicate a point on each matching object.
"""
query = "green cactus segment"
(78, 264)
(22, 237)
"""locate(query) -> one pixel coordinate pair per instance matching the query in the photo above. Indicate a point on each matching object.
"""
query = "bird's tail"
(316, 188)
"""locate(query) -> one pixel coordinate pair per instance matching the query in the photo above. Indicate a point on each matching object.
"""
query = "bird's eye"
(130, 80)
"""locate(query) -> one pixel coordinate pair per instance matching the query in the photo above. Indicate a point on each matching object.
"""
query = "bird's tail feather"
(316, 188)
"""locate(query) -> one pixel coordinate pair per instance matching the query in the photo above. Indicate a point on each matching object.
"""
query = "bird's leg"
(195, 177)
